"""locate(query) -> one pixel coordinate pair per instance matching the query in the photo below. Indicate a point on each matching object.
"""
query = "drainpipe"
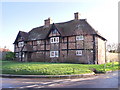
(105, 53)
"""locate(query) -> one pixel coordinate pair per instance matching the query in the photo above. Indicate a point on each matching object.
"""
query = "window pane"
(56, 53)
(19, 54)
(57, 39)
(81, 37)
(77, 37)
(54, 31)
(23, 55)
(38, 42)
(51, 40)
(52, 54)
(16, 55)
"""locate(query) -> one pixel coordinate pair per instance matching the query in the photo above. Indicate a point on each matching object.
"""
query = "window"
(54, 31)
(34, 43)
(79, 37)
(21, 44)
(23, 55)
(54, 54)
(79, 52)
(91, 51)
(19, 54)
(16, 54)
(38, 42)
(54, 40)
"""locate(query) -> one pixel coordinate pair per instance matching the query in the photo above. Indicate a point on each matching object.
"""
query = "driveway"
(109, 80)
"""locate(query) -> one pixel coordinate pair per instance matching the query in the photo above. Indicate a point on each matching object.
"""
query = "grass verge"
(39, 68)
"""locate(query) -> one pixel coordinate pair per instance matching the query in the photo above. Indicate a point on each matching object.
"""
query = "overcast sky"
(102, 15)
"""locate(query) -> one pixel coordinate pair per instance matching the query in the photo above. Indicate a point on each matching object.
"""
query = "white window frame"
(80, 37)
(55, 53)
(54, 40)
(79, 52)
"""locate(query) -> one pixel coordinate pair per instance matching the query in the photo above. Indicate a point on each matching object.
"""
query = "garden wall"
(112, 57)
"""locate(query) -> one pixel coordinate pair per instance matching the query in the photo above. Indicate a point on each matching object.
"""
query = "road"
(109, 80)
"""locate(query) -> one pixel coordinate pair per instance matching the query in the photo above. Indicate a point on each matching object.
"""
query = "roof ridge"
(70, 21)
(23, 31)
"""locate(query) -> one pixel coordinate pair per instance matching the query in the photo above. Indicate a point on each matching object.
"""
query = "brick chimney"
(47, 22)
(76, 15)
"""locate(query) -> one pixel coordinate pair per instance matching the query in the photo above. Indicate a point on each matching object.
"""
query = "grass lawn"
(39, 68)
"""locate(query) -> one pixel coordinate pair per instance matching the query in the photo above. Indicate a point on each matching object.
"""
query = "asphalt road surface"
(109, 80)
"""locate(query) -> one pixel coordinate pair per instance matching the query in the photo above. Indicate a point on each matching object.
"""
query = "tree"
(10, 56)
(118, 48)
(113, 47)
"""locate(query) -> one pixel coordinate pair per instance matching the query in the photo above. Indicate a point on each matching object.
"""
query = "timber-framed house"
(74, 41)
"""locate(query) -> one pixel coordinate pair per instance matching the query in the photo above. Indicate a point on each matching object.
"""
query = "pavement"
(108, 80)
(47, 76)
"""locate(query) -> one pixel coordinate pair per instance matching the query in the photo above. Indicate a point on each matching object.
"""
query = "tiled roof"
(23, 34)
(68, 28)
(71, 27)
(3, 49)
(38, 33)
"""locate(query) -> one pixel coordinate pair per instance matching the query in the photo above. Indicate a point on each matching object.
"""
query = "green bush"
(10, 56)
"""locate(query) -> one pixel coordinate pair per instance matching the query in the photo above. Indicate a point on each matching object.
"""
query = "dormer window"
(54, 40)
(54, 31)
(80, 37)
(21, 44)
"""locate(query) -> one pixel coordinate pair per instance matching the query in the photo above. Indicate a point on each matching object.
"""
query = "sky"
(23, 15)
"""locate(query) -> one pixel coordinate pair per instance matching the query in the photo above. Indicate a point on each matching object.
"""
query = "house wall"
(87, 57)
(85, 45)
(101, 51)
(38, 56)
(67, 47)
(67, 50)
(92, 48)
